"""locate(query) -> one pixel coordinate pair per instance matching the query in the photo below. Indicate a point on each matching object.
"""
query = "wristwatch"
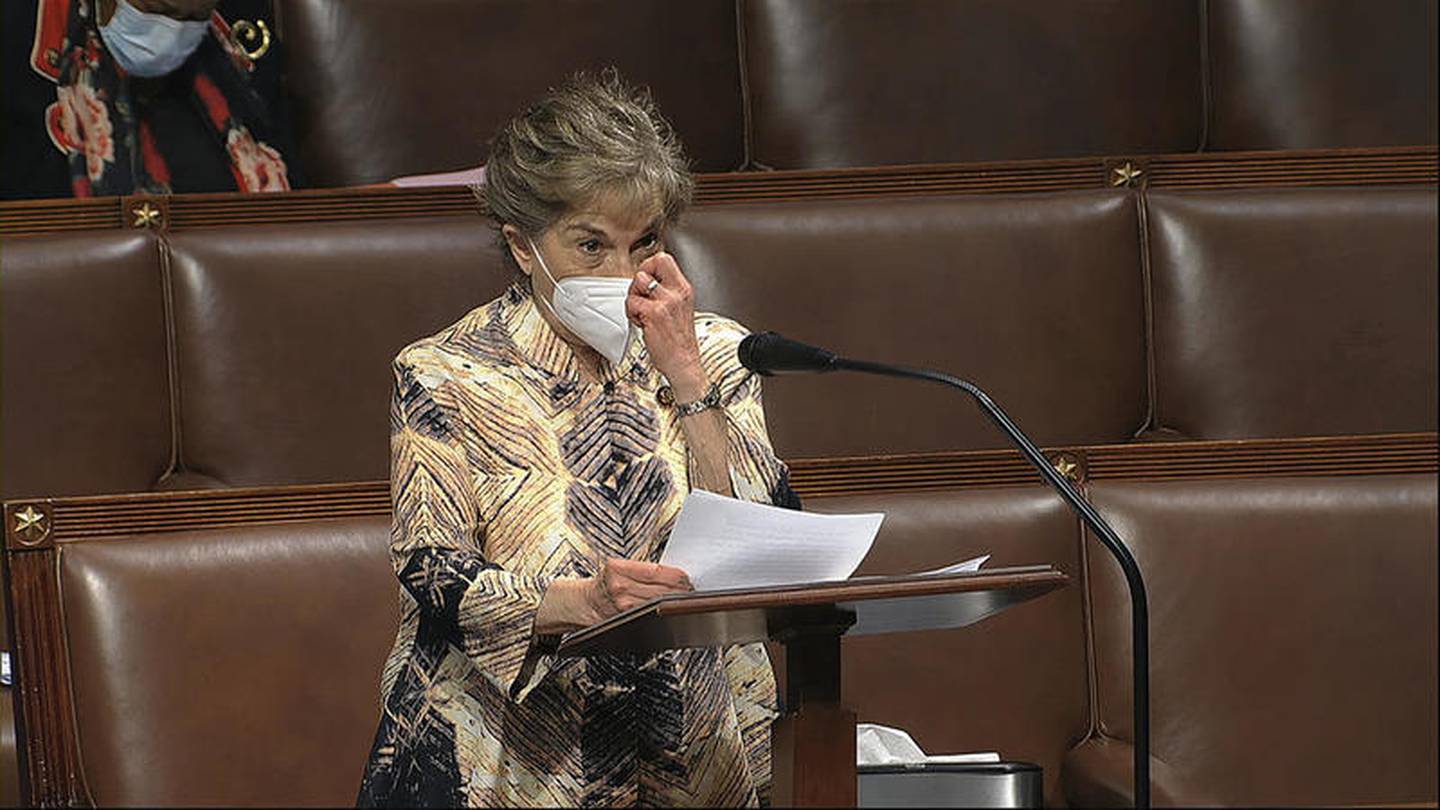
(710, 400)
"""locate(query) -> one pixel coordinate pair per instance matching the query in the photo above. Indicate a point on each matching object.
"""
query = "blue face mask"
(147, 44)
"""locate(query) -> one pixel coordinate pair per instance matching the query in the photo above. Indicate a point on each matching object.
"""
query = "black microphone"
(768, 352)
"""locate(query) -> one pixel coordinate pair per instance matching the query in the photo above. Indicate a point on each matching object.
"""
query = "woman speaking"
(541, 449)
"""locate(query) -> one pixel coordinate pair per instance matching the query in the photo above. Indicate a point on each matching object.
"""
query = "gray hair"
(590, 137)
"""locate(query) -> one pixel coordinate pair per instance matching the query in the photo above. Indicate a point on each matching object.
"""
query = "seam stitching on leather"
(1152, 410)
(747, 155)
(1207, 102)
(64, 648)
(172, 354)
(1087, 619)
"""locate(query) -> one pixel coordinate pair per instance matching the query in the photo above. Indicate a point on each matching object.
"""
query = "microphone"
(768, 352)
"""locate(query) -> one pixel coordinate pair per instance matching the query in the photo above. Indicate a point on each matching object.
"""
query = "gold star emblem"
(146, 215)
(30, 524)
(1125, 174)
(1068, 467)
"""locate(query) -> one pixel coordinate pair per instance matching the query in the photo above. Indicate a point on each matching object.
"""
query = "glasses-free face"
(597, 240)
(607, 238)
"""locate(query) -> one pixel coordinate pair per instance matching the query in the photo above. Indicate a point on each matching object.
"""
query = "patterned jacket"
(509, 469)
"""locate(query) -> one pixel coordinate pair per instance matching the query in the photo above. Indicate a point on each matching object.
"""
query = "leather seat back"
(931, 81)
(233, 667)
(1037, 299)
(285, 336)
(1294, 313)
(1292, 632)
(382, 89)
(86, 381)
(1308, 74)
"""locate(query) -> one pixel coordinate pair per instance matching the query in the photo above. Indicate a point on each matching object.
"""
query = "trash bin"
(982, 784)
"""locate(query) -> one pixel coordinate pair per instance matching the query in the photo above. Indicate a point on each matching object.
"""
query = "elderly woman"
(542, 447)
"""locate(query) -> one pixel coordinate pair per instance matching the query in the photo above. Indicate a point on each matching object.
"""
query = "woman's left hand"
(662, 303)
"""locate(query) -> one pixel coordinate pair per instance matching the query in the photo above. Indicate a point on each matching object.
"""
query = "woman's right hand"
(620, 584)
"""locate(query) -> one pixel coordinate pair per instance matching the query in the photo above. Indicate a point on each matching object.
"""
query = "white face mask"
(146, 44)
(593, 307)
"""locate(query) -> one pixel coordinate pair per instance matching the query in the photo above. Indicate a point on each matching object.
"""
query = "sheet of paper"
(727, 543)
(959, 568)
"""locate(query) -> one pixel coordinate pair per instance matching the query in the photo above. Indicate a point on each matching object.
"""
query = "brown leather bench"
(1239, 314)
(1293, 642)
(225, 646)
(379, 89)
(194, 340)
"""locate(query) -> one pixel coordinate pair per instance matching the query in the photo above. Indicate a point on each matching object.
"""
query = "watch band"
(710, 400)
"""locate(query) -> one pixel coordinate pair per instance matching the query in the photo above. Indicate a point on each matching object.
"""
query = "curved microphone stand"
(768, 352)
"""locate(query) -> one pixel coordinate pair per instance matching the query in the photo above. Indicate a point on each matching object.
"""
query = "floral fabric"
(100, 122)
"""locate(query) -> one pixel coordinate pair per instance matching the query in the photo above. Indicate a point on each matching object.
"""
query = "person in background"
(144, 96)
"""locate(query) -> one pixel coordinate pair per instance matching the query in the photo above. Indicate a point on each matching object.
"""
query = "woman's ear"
(519, 247)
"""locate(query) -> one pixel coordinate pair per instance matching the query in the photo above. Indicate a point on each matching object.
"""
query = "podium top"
(859, 606)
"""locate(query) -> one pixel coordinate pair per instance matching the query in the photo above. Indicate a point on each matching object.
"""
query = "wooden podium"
(814, 739)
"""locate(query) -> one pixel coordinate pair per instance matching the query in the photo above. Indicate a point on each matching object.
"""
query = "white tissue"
(882, 745)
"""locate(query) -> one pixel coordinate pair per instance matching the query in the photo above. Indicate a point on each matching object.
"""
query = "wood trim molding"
(53, 773)
(1213, 170)
(80, 518)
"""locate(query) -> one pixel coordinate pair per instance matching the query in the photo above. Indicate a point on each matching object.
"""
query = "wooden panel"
(1397, 166)
(1385, 166)
(44, 729)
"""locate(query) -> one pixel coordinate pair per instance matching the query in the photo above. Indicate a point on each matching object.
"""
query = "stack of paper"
(727, 543)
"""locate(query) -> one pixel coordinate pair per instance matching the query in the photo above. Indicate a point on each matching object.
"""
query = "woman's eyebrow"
(588, 228)
(652, 229)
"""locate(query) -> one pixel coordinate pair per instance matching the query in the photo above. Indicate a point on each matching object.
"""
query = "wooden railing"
(1218, 170)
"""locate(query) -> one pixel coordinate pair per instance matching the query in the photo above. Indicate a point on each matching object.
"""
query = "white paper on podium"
(969, 566)
(728, 543)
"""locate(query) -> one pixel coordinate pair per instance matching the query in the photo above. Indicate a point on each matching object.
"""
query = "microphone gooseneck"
(768, 352)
